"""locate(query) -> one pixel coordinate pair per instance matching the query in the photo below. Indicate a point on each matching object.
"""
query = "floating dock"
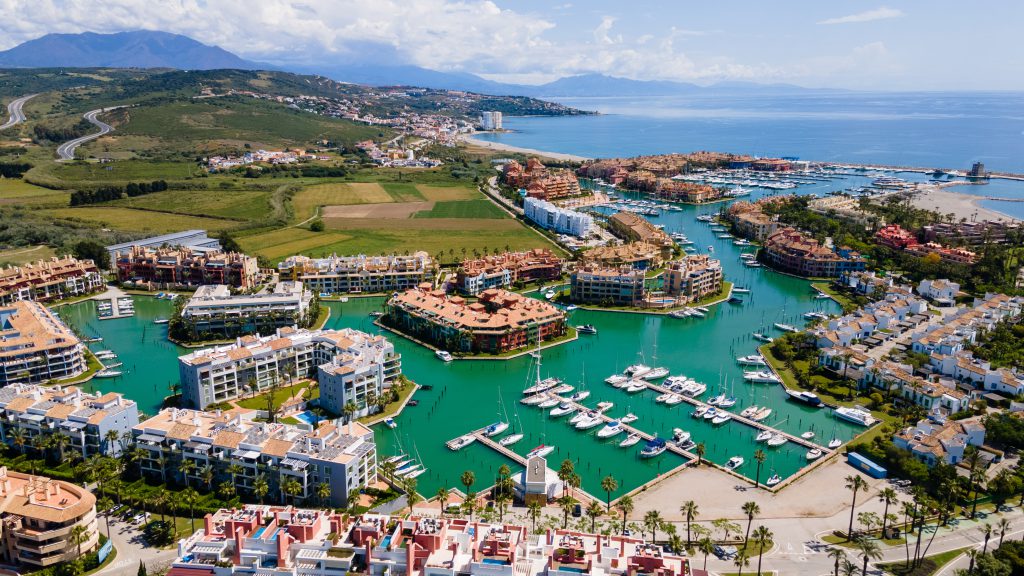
(115, 310)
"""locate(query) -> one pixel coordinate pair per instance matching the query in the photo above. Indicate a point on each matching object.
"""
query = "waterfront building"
(558, 220)
(639, 255)
(214, 310)
(895, 237)
(350, 366)
(941, 440)
(343, 456)
(623, 286)
(195, 240)
(689, 192)
(505, 269)
(771, 165)
(692, 277)
(844, 207)
(792, 251)
(293, 542)
(636, 228)
(36, 347)
(973, 233)
(39, 515)
(359, 274)
(749, 219)
(539, 181)
(490, 120)
(48, 280)
(30, 410)
(498, 321)
(180, 266)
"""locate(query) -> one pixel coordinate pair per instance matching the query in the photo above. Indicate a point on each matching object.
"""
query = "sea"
(927, 129)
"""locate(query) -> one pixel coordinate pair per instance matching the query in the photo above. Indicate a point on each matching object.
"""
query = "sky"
(858, 44)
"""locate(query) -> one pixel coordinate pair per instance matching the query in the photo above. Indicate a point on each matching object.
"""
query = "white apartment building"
(35, 346)
(490, 120)
(559, 220)
(941, 291)
(214, 310)
(348, 363)
(358, 274)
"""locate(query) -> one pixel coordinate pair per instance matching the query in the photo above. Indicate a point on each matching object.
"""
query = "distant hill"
(137, 49)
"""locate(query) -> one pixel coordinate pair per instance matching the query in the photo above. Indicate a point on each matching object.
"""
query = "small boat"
(695, 389)
(763, 436)
(635, 386)
(550, 294)
(628, 418)
(590, 421)
(809, 398)
(580, 395)
(610, 429)
(108, 373)
(605, 406)
(551, 402)
(460, 442)
(654, 447)
(376, 314)
(773, 480)
(395, 458)
(443, 355)
(161, 321)
(715, 401)
(700, 411)
(510, 439)
(663, 397)
(673, 399)
(415, 473)
(750, 411)
(586, 329)
(814, 454)
(617, 379)
(777, 440)
(390, 423)
(734, 462)
(721, 418)
(741, 290)
(406, 472)
(533, 400)
(786, 327)
(815, 316)
(563, 409)
(655, 373)
(762, 376)
(728, 402)
(540, 451)
(763, 337)
(761, 414)
(751, 360)
(561, 389)
(495, 429)
(808, 435)
(711, 413)
(835, 443)
(637, 370)
(543, 386)
(680, 436)
(735, 300)
(630, 440)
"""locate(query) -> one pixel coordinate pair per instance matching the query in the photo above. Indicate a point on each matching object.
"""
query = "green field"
(21, 193)
(403, 192)
(19, 256)
(141, 220)
(309, 198)
(232, 204)
(481, 208)
(125, 171)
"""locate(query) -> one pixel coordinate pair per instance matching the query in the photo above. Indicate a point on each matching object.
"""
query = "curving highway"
(16, 116)
(66, 151)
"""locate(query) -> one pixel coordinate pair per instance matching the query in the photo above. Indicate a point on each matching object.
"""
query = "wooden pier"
(115, 311)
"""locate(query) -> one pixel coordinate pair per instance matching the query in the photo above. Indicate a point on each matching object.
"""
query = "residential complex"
(635, 228)
(499, 321)
(39, 515)
(35, 346)
(186, 267)
(639, 255)
(48, 280)
(539, 181)
(504, 270)
(750, 220)
(558, 220)
(682, 281)
(897, 238)
(29, 410)
(194, 240)
(973, 233)
(349, 365)
(792, 251)
(490, 120)
(358, 274)
(214, 311)
(293, 542)
(687, 192)
(941, 440)
(692, 277)
(622, 286)
(342, 456)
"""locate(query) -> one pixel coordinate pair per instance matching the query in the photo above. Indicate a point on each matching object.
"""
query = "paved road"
(66, 151)
(15, 113)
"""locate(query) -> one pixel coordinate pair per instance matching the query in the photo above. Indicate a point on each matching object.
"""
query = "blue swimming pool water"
(387, 541)
(494, 561)
(308, 417)
(572, 569)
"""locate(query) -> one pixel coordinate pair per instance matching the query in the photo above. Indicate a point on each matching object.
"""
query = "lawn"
(309, 198)
(392, 408)
(930, 565)
(259, 402)
(19, 256)
(141, 220)
(447, 193)
(403, 192)
(125, 171)
(248, 205)
(479, 208)
(21, 193)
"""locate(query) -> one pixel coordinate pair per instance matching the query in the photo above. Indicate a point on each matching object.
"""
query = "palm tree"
(111, 436)
(411, 495)
(1004, 527)
(759, 457)
(565, 502)
(160, 500)
(653, 521)
(706, 546)
(260, 487)
(869, 550)
(837, 554)
(291, 487)
(700, 450)
(763, 536)
(751, 509)
(594, 511)
(187, 467)
(19, 439)
(105, 504)
(625, 505)
(689, 511)
(533, 510)
(609, 484)
(849, 567)
(470, 504)
(442, 497)
(349, 409)
(976, 478)
(888, 497)
(741, 561)
(323, 492)
(207, 473)
(501, 501)
(854, 483)
(468, 479)
(190, 497)
(387, 469)
(566, 471)
(987, 531)
(79, 535)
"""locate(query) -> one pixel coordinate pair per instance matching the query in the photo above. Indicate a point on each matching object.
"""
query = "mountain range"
(154, 49)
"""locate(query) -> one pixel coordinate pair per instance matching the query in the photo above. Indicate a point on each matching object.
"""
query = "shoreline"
(469, 139)
(963, 205)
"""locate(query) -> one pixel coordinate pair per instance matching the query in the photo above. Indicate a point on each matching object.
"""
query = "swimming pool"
(494, 561)
(308, 418)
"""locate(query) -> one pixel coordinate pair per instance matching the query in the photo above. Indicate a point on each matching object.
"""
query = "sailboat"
(514, 436)
(835, 442)
(502, 424)
(582, 393)
(658, 371)
(541, 385)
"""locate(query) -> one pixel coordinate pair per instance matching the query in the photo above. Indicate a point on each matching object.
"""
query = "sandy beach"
(945, 201)
(468, 139)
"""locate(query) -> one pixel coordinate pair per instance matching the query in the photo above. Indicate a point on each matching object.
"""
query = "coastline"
(961, 204)
(468, 139)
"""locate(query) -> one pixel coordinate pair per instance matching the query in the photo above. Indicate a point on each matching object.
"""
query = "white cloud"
(883, 13)
(603, 32)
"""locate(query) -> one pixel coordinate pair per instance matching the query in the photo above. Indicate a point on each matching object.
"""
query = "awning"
(293, 463)
(245, 454)
(149, 438)
(73, 425)
(198, 446)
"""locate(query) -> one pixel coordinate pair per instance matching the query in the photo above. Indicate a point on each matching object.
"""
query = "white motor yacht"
(835, 443)
(630, 440)
(777, 440)
(734, 462)
(443, 355)
(655, 373)
(563, 409)
(751, 360)
(590, 421)
(814, 454)
(629, 418)
(617, 379)
(808, 435)
(610, 429)
(635, 386)
(763, 436)
(773, 480)
(680, 436)
(721, 418)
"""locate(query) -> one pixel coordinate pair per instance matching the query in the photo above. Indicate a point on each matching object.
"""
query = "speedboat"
(654, 447)
(761, 414)
(834, 443)
(809, 398)
(815, 316)
(777, 440)
(786, 327)
(610, 429)
(605, 406)
(735, 462)
(680, 436)
(495, 429)
(808, 435)
(510, 439)
(561, 389)
(699, 411)
(773, 480)
(711, 413)
(763, 337)
(637, 370)
(763, 436)
(108, 373)
(390, 423)
(571, 307)
(673, 399)
(586, 329)
(629, 418)
(580, 395)
(695, 389)
(461, 442)
(717, 400)
(663, 397)
(741, 290)
(635, 386)
(540, 451)
(752, 360)
(630, 440)
(550, 294)
(551, 402)
(721, 418)
(855, 415)
(563, 409)
(814, 454)
(749, 411)
(533, 400)
(617, 379)
(655, 373)
(591, 420)
(161, 321)
(443, 355)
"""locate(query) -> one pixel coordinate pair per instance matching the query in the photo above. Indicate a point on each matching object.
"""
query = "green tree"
(759, 457)
(468, 478)
(689, 510)
(763, 536)
(609, 484)
(854, 483)
(869, 550)
(260, 487)
(142, 569)
(653, 521)
(750, 510)
(706, 546)
(594, 511)
(442, 497)
(533, 510)
(323, 492)
(190, 498)
(888, 497)
(625, 505)
(837, 554)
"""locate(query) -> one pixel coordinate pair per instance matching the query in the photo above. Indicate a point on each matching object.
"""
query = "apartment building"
(623, 286)
(636, 228)
(499, 321)
(792, 251)
(504, 270)
(639, 255)
(195, 240)
(687, 192)
(692, 277)
(343, 456)
(941, 440)
(347, 363)
(941, 290)
(88, 420)
(214, 310)
(559, 220)
(973, 233)
(48, 280)
(897, 238)
(38, 515)
(539, 181)
(181, 266)
(35, 346)
(359, 274)
(293, 542)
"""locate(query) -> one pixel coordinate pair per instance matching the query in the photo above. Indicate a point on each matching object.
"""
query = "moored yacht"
(443, 355)
(751, 360)
(773, 480)
(495, 429)
(654, 447)
(610, 429)
(762, 376)
(734, 462)
(511, 439)
(563, 409)
(630, 440)
(855, 415)
(541, 451)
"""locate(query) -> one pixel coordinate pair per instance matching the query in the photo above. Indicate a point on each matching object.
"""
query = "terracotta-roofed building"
(181, 266)
(639, 255)
(635, 228)
(48, 280)
(505, 269)
(941, 441)
(359, 274)
(35, 346)
(792, 251)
